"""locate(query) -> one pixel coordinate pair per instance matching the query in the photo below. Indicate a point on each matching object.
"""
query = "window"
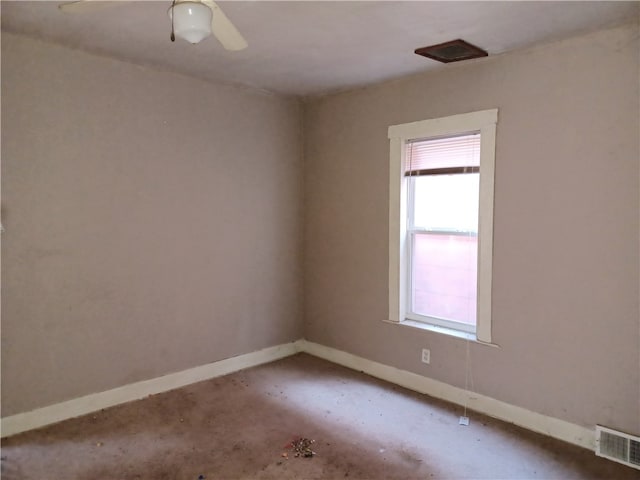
(441, 222)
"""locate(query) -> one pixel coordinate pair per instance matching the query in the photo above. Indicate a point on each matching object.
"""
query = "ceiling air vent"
(617, 446)
(454, 51)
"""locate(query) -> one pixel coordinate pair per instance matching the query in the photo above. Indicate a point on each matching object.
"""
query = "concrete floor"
(238, 427)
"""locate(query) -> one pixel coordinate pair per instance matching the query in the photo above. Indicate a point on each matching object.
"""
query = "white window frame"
(484, 122)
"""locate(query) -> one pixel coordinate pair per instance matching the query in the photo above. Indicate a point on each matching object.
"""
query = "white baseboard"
(40, 417)
(553, 427)
(536, 422)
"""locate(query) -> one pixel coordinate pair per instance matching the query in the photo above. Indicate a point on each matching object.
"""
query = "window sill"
(442, 330)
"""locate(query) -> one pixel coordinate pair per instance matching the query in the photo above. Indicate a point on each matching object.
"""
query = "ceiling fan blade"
(86, 6)
(224, 30)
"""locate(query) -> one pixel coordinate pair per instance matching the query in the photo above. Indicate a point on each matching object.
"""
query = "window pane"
(444, 276)
(446, 202)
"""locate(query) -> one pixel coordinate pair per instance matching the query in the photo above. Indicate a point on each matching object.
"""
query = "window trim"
(485, 122)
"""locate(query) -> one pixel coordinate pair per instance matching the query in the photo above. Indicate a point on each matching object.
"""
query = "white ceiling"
(310, 47)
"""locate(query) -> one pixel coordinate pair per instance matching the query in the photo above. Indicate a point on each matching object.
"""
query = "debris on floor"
(302, 447)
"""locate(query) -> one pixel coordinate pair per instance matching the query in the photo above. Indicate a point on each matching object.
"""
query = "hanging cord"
(173, 36)
(468, 376)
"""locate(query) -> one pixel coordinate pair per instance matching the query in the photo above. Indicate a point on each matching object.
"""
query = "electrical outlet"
(426, 356)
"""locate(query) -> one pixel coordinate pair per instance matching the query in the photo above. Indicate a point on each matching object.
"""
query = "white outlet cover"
(426, 355)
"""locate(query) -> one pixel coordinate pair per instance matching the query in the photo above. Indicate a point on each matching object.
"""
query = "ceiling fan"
(192, 20)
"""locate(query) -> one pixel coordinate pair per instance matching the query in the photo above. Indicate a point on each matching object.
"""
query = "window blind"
(443, 155)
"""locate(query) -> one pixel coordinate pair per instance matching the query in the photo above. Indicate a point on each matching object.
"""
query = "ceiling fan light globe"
(191, 21)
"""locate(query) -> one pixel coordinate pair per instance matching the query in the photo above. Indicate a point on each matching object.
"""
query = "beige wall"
(566, 233)
(153, 223)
